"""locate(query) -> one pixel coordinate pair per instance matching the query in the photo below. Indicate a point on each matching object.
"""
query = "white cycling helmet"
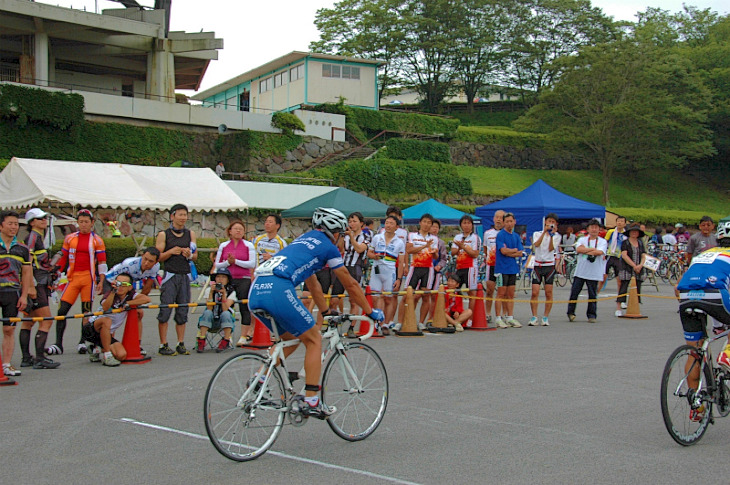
(331, 220)
(723, 230)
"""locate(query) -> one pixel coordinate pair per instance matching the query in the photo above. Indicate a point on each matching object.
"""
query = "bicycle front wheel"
(242, 422)
(560, 276)
(355, 382)
(678, 397)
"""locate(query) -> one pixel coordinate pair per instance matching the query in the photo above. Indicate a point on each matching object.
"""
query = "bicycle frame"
(334, 342)
(705, 352)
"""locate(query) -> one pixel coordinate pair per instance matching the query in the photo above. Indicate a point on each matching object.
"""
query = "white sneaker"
(500, 323)
(533, 322)
(545, 322)
(459, 327)
(11, 371)
(618, 313)
(397, 326)
(514, 323)
(241, 341)
(421, 326)
(109, 360)
(81, 348)
(623, 306)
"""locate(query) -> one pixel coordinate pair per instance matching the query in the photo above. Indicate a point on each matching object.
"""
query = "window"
(296, 72)
(281, 79)
(265, 85)
(345, 72)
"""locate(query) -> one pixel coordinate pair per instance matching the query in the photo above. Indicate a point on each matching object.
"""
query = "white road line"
(275, 453)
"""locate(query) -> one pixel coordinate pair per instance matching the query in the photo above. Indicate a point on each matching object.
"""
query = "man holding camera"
(589, 270)
(219, 315)
(545, 247)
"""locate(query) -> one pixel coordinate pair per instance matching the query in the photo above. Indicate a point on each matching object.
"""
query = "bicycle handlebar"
(338, 319)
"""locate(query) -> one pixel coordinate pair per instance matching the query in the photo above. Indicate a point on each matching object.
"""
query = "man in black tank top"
(177, 248)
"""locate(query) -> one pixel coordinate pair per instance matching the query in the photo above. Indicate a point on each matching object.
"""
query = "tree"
(370, 29)
(629, 105)
(546, 30)
(429, 48)
(478, 60)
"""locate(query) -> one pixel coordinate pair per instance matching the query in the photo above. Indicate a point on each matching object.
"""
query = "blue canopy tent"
(538, 200)
(447, 215)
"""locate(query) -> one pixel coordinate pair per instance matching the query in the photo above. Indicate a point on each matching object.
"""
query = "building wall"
(357, 92)
(79, 81)
(282, 97)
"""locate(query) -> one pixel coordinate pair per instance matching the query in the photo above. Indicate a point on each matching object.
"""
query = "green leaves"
(40, 107)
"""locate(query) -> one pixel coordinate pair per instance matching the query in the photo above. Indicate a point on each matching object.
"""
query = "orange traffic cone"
(409, 328)
(479, 319)
(130, 341)
(365, 324)
(633, 310)
(439, 314)
(261, 336)
(5, 380)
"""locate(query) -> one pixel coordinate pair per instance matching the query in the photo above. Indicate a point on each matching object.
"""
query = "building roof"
(342, 199)
(285, 60)
(266, 195)
(28, 182)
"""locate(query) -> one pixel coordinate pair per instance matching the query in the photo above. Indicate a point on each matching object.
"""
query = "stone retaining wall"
(501, 156)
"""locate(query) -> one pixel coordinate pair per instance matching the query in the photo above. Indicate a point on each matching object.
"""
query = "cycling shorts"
(468, 277)
(277, 298)
(696, 305)
(543, 273)
(383, 279)
(81, 284)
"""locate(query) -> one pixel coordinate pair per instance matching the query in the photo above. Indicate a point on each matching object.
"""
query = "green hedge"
(493, 135)
(383, 178)
(366, 123)
(37, 106)
(287, 122)
(120, 248)
(410, 149)
(664, 217)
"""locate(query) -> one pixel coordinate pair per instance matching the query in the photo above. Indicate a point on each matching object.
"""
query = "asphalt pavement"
(569, 403)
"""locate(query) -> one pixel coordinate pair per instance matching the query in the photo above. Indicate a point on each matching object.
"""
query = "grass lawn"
(657, 190)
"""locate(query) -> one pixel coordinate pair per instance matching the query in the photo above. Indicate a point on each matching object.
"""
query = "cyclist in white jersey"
(466, 246)
(269, 243)
(386, 250)
(402, 234)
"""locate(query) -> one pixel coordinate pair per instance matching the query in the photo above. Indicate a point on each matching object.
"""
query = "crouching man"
(100, 330)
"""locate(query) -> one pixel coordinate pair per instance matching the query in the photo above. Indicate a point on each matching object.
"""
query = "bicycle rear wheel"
(239, 424)
(356, 383)
(560, 275)
(677, 397)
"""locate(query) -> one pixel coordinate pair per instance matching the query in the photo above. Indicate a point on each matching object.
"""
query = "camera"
(591, 258)
(218, 286)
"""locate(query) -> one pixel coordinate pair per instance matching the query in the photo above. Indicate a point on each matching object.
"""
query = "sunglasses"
(123, 283)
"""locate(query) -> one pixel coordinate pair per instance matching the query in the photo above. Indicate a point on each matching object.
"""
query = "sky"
(256, 32)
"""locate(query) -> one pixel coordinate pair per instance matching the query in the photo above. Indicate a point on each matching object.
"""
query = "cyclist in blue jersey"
(704, 290)
(273, 294)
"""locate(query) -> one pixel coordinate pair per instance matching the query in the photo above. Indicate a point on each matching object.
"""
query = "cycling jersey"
(423, 258)
(490, 244)
(264, 245)
(133, 267)
(306, 255)
(42, 268)
(12, 260)
(352, 257)
(615, 239)
(463, 260)
(95, 252)
(388, 253)
(709, 269)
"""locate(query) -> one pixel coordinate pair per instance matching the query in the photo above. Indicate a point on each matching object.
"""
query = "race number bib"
(267, 267)
(706, 257)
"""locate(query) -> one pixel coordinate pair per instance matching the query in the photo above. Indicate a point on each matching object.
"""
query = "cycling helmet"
(723, 230)
(330, 220)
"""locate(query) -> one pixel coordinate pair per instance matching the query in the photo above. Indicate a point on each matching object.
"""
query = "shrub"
(491, 135)
(410, 149)
(287, 122)
(27, 105)
(385, 178)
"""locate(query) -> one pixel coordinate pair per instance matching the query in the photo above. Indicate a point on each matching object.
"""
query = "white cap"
(34, 213)
(678, 225)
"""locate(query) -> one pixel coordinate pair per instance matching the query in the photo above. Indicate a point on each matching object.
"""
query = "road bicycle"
(566, 267)
(244, 413)
(678, 399)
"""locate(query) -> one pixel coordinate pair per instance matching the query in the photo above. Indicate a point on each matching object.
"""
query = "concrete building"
(125, 52)
(298, 79)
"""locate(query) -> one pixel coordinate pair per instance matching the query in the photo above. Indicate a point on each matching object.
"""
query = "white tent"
(266, 195)
(28, 182)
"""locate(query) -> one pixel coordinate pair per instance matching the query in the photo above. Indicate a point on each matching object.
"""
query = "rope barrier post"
(131, 338)
(479, 318)
(409, 327)
(439, 314)
(633, 310)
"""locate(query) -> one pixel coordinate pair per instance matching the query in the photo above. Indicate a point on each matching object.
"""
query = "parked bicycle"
(688, 411)
(566, 266)
(249, 397)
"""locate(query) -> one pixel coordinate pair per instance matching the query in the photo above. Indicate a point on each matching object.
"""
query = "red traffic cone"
(130, 341)
(365, 325)
(479, 318)
(261, 336)
(5, 380)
